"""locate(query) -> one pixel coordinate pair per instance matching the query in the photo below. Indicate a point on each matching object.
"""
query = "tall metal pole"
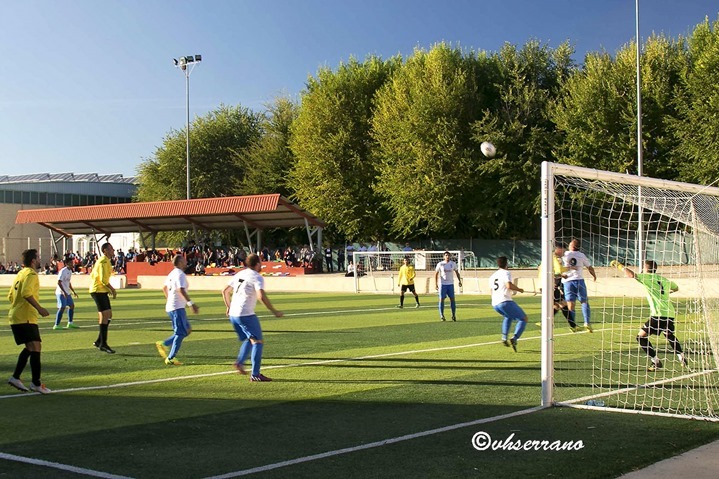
(187, 126)
(640, 160)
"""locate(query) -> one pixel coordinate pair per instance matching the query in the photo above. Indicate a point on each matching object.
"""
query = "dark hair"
(651, 265)
(502, 262)
(27, 256)
(176, 260)
(252, 260)
(105, 246)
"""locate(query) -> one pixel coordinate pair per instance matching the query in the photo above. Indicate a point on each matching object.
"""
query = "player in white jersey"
(63, 293)
(500, 283)
(574, 286)
(175, 290)
(444, 271)
(240, 297)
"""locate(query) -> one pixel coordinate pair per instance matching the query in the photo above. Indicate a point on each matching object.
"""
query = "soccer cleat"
(454, 318)
(574, 329)
(506, 342)
(399, 306)
(72, 326)
(105, 348)
(260, 378)
(57, 326)
(655, 366)
(162, 349)
(40, 389)
(17, 384)
(683, 360)
(442, 318)
(172, 362)
(588, 327)
(96, 344)
(240, 368)
(416, 306)
(513, 343)
(538, 324)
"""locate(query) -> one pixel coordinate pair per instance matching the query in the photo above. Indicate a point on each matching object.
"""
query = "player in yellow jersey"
(24, 308)
(100, 290)
(559, 303)
(406, 282)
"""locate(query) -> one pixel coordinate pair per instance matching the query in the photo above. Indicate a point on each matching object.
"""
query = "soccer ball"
(488, 149)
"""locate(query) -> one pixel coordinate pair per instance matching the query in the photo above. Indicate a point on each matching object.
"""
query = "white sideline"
(371, 445)
(64, 467)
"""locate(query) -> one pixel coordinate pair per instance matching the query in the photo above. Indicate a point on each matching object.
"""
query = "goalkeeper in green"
(661, 308)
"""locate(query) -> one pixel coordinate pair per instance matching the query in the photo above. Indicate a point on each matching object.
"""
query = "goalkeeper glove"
(616, 264)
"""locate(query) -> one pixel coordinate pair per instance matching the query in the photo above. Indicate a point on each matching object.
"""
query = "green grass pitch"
(348, 370)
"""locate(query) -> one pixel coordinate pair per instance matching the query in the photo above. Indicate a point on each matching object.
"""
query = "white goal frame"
(549, 171)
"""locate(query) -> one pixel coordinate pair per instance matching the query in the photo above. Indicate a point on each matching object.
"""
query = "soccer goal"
(377, 270)
(629, 219)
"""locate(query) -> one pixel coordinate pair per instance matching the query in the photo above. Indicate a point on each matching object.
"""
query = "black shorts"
(409, 287)
(558, 291)
(25, 333)
(657, 325)
(102, 300)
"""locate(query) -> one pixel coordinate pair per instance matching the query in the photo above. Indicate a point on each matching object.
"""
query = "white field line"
(371, 445)
(64, 467)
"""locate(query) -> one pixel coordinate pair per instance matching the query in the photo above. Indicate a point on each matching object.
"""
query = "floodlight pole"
(640, 159)
(187, 64)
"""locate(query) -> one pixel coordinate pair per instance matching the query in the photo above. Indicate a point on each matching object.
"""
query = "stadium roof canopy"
(66, 177)
(258, 212)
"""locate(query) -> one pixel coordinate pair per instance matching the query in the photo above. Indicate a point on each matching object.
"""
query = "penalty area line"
(371, 445)
(57, 465)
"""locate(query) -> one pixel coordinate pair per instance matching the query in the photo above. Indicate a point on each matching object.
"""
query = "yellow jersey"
(406, 275)
(100, 275)
(26, 284)
(557, 267)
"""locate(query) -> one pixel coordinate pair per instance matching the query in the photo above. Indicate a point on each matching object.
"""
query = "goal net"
(377, 270)
(630, 220)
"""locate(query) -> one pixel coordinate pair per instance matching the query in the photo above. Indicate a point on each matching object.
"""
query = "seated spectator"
(199, 269)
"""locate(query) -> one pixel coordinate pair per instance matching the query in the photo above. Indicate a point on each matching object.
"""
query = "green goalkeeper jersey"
(658, 289)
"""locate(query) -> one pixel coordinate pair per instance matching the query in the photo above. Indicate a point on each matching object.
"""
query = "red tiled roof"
(258, 211)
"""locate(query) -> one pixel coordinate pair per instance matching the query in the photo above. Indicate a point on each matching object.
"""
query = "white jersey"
(64, 276)
(445, 269)
(245, 286)
(575, 261)
(175, 281)
(498, 285)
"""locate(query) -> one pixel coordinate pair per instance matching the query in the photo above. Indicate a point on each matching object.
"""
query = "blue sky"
(89, 86)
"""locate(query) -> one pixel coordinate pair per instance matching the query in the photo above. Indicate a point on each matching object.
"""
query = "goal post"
(376, 271)
(630, 220)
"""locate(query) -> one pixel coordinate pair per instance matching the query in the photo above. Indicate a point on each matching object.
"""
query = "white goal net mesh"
(629, 220)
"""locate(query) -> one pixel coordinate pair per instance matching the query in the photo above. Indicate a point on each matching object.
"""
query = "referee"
(100, 291)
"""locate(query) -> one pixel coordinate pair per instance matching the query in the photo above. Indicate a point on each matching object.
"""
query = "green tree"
(519, 124)
(425, 157)
(215, 142)
(267, 162)
(697, 126)
(334, 171)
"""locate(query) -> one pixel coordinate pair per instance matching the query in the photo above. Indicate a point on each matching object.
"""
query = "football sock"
(416, 298)
(453, 307)
(58, 316)
(401, 300)
(674, 342)
(586, 312)
(256, 358)
(572, 317)
(70, 314)
(441, 308)
(506, 324)
(21, 362)
(647, 346)
(35, 367)
(103, 333)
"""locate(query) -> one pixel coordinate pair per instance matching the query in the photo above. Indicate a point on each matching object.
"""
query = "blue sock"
(586, 312)
(505, 327)
(244, 351)
(519, 329)
(58, 316)
(441, 307)
(70, 315)
(572, 316)
(256, 358)
(176, 343)
(453, 306)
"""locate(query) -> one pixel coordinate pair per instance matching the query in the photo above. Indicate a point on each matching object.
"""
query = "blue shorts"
(575, 290)
(247, 327)
(510, 310)
(446, 290)
(64, 301)
(180, 324)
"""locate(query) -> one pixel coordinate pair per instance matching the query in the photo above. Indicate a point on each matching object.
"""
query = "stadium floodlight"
(182, 63)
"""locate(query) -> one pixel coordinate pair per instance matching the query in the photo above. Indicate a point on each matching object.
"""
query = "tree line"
(389, 148)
